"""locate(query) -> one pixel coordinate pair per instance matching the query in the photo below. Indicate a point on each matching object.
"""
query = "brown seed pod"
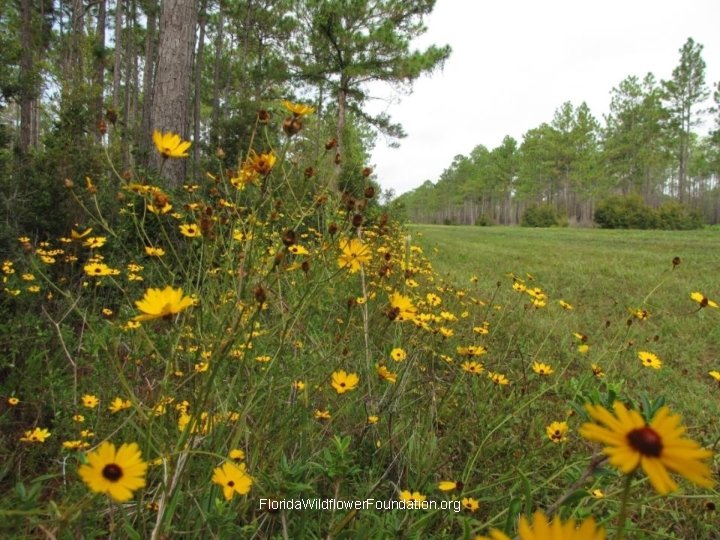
(289, 237)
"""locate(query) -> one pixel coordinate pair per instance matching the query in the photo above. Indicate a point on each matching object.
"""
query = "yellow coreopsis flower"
(542, 529)
(162, 303)
(115, 472)
(649, 359)
(100, 269)
(36, 435)
(498, 378)
(78, 235)
(385, 374)
(449, 485)
(344, 382)
(90, 401)
(233, 479)
(190, 230)
(355, 254)
(701, 299)
(412, 498)
(170, 145)
(154, 251)
(657, 447)
(557, 431)
(398, 354)
(261, 163)
(298, 109)
(119, 404)
(401, 308)
(472, 367)
(542, 369)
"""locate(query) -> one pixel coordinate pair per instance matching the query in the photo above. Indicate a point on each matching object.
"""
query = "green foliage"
(631, 212)
(625, 212)
(484, 221)
(541, 215)
(636, 141)
(678, 217)
(346, 44)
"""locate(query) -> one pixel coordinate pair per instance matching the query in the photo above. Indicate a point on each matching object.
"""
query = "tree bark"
(99, 78)
(197, 97)
(219, 37)
(340, 133)
(151, 11)
(172, 79)
(27, 97)
(117, 66)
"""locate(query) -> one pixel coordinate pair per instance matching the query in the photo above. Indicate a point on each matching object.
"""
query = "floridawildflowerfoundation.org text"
(332, 505)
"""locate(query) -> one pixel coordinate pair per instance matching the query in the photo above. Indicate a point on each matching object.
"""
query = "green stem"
(622, 517)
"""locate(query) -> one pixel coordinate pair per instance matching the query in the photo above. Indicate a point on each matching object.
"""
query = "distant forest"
(649, 145)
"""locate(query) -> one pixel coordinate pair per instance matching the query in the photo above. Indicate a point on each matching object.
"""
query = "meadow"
(606, 274)
(230, 359)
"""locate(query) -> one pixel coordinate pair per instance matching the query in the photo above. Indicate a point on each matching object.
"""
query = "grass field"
(604, 274)
(288, 359)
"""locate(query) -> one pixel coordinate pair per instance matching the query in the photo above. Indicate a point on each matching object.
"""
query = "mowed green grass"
(605, 274)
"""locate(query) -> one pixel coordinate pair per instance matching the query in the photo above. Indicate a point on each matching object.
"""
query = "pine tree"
(684, 93)
(353, 42)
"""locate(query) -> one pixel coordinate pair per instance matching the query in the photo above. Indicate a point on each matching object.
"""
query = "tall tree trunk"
(219, 40)
(197, 97)
(117, 65)
(340, 133)
(76, 43)
(134, 68)
(128, 60)
(27, 85)
(151, 12)
(172, 79)
(99, 79)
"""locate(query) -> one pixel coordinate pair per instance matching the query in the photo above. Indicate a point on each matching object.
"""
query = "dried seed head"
(263, 116)
(260, 296)
(289, 237)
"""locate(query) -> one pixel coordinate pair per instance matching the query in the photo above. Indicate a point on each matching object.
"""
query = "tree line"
(648, 145)
(80, 79)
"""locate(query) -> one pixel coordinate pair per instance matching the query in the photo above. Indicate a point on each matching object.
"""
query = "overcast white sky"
(515, 62)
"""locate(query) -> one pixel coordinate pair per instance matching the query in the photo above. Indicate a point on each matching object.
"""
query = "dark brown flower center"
(112, 472)
(646, 441)
(231, 483)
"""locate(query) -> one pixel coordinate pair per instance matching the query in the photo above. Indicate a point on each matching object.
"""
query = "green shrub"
(625, 212)
(541, 215)
(678, 217)
(631, 212)
(484, 221)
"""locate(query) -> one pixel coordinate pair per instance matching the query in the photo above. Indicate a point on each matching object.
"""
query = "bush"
(541, 215)
(625, 212)
(678, 217)
(631, 212)
(484, 221)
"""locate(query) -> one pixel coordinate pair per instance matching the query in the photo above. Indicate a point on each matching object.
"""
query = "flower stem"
(622, 517)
